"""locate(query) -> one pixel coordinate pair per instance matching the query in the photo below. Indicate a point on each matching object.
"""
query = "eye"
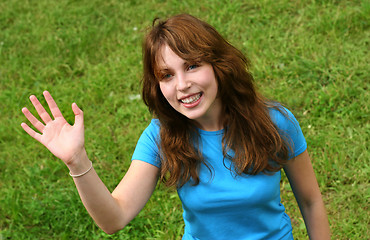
(193, 66)
(166, 76)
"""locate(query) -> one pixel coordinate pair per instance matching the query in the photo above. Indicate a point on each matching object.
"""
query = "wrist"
(79, 164)
(83, 173)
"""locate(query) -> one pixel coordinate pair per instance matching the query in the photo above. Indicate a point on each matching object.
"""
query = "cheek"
(213, 85)
(165, 91)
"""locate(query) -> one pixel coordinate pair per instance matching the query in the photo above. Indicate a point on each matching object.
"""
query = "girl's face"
(190, 88)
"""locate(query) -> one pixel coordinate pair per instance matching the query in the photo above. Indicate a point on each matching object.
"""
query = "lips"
(191, 99)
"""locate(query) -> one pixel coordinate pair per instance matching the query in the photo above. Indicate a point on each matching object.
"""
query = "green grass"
(310, 55)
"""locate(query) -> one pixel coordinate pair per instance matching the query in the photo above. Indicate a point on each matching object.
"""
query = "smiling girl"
(213, 137)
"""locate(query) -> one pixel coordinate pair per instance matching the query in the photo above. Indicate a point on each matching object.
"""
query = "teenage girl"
(213, 137)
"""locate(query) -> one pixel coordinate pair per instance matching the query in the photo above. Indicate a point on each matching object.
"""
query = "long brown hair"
(248, 129)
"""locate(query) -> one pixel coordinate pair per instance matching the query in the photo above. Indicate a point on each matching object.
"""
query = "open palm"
(63, 140)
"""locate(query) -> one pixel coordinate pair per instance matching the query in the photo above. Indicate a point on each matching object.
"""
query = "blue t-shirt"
(224, 205)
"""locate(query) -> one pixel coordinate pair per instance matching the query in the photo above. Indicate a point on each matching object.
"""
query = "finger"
(79, 116)
(34, 121)
(40, 109)
(31, 132)
(52, 105)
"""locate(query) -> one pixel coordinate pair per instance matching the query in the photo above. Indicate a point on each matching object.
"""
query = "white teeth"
(191, 99)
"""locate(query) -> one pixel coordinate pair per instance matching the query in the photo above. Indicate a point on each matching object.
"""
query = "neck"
(209, 126)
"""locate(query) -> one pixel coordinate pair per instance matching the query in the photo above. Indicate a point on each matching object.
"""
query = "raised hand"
(63, 140)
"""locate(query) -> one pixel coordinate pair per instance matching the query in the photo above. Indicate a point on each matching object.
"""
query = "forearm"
(316, 220)
(97, 199)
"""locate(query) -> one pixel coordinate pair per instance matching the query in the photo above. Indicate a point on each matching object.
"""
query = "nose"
(182, 83)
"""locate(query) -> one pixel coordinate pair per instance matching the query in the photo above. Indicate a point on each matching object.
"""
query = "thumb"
(79, 116)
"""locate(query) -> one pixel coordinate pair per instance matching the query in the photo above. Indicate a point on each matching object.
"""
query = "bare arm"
(306, 190)
(110, 211)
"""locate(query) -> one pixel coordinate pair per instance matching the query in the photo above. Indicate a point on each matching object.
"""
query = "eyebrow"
(166, 68)
(163, 69)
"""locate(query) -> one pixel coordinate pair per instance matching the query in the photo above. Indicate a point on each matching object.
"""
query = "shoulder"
(151, 134)
(154, 124)
(283, 118)
(152, 130)
(288, 127)
(147, 146)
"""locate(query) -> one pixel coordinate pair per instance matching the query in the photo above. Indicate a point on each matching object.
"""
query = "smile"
(191, 99)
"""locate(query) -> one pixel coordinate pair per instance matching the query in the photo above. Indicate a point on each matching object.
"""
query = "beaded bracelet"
(79, 175)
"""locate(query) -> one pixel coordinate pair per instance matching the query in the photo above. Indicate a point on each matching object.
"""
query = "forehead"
(166, 58)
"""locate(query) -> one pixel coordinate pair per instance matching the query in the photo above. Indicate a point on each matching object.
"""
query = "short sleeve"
(289, 128)
(146, 148)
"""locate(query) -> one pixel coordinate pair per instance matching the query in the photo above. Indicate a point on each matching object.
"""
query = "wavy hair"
(248, 129)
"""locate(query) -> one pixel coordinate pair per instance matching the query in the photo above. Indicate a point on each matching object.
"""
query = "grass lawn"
(312, 55)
